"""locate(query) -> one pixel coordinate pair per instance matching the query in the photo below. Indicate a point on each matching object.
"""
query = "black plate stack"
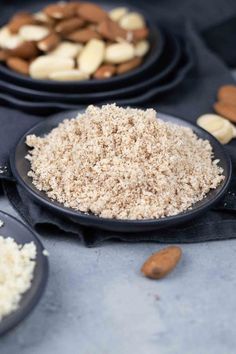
(164, 67)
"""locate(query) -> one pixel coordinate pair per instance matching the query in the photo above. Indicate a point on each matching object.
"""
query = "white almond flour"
(123, 163)
(17, 264)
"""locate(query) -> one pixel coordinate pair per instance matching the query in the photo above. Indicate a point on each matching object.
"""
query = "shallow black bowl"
(20, 167)
(156, 39)
(23, 234)
(166, 64)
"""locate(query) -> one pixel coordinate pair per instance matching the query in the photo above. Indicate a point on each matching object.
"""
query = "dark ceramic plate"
(156, 41)
(23, 234)
(20, 167)
(167, 63)
(46, 108)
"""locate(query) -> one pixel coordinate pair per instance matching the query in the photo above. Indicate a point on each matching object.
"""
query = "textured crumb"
(17, 263)
(45, 253)
(123, 163)
(1, 223)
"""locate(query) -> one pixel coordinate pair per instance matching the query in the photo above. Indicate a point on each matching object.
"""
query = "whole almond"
(69, 75)
(129, 65)
(83, 35)
(3, 55)
(19, 20)
(119, 53)
(43, 66)
(141, 48)
(70, 25)
(140, 34)
(111, 30)
(33, 32)
(105, 71)
(19, 65)
(227, 110)
(162, 262)
(49, 43)
(117, 13)
(42, 19)
(132, 21)
(91, 12)
(67, 50)
(227, 93)
(91, 56)
(60, 10)
(26, 50)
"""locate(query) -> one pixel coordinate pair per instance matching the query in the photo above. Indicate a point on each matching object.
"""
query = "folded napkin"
(194, 96)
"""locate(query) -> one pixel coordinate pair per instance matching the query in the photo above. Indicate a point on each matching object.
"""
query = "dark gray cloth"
(194, 96)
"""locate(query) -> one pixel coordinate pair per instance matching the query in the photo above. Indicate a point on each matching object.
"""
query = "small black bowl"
(156, 39)
(23, 234)
(20, 168)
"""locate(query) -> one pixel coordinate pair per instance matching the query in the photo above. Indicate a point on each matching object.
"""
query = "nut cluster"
(74, 41)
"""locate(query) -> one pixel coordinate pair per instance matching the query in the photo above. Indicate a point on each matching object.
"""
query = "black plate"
(156, 47)
(20, 167)
(23, 234)
(167, 63)
(46, 108)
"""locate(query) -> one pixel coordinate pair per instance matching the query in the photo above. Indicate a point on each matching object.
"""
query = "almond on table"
(65, 30)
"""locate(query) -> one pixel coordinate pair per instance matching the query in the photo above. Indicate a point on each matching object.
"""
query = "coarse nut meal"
(74, 41)
(123, 163)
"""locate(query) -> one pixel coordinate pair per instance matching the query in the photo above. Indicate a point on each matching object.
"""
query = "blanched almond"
(83, 35)
(49, 43)
(105, 71)
(19, 20)
(91, 56)
(67, 50)
(69, 75)
(119, 53)
(26, 50)
(60, 10)
(70, 25)
(112, 31)
(8, 40)
(141, 48)
(117, 13)
(129, 65)
(42, 18)
(19, 65)
(43, 66)
(33, 32)
(91, 12)
(132, 21)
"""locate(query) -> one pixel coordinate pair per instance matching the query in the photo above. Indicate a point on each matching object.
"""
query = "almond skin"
(227, 93)
(140, 34)
(49, 43)
(129, 65)
(19, 20)
(91, 12)
(110, 30)
(3, 55)
(26, 50)
(226, 110)
(161, 263)
(83, 36)
(105, 71)
(70, 25)
(60, 11)
(19, 65)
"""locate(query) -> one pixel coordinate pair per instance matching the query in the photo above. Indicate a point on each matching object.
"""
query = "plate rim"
(125, 222)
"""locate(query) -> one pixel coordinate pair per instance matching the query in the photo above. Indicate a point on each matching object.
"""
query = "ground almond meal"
(123, 163)
(17, 264)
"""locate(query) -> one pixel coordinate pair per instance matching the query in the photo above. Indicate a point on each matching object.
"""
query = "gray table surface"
(97, 302)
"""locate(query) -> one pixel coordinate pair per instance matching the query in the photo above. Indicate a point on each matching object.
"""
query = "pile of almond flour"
(123, 163)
